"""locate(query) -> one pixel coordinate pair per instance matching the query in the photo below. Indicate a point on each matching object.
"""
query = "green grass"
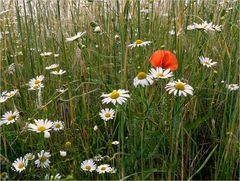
(161, 137)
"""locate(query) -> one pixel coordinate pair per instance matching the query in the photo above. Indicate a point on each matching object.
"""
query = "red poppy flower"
(164, 59)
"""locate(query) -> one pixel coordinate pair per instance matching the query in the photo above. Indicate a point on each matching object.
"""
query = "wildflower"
(63, 153)
(115, 142)
(57, 125)
(139, 43)
(52, 177)
(29, 156)
(88, 165)
(11, 93)
(4, 176)
(204, 26)
(164, 59)
(53, 66)
(205, 61)
(113, 170)
(43, 159)
(10, 117)
(79, 35)
(95, 128)
(142, 79)
(36, 83)
(45, 54)
(103, 168)
(41, 126)
(97, 29)
(60, 72)
(116, 96)
(11, 68)
(3, 99)
(171, 32)
(56, 55)
(160, 73)
(68, 144)
(232, 87)
(98, 158)
(19, 164)
(179, 87)
(107, 114)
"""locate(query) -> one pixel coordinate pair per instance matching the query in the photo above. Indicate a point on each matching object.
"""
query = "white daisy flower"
(179, 87)
(11, 93)
(36, 83)
(88, 165)
(43, 159)
(63, 153)
(58, 125)
(139, 43)
(45, 54)
(232, 87)
(142, 79)
(60, 72)
(53, 66)
(29, 156)
(19, 164)
(113, 170)
(79, 35)
(107, 114)
(116, 96)
(205, 61)
(104, 168)
(10, 117)
(115, 143)
(160, 73)
(3, 99)
(41, 126)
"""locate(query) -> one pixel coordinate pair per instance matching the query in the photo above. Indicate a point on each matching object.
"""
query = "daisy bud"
(63, 153)
(95, 128)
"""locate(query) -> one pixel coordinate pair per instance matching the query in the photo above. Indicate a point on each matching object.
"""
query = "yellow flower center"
(57, 125)
(231, 85)
(103, 168)
(179, 86)
(138, 42)
(36, 86)
(88, 167)
(37, 81)
(114, 95)
(159, 75)
(43, 159)
(207, 63)
(141, 75)
(10, 118)
(41, 128)
(30, 157)
(20, 165)
(107, 115)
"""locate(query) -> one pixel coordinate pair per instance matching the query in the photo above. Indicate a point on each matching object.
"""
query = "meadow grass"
(161, 136)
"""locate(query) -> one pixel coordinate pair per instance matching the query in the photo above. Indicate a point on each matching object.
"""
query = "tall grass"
(161, 136)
